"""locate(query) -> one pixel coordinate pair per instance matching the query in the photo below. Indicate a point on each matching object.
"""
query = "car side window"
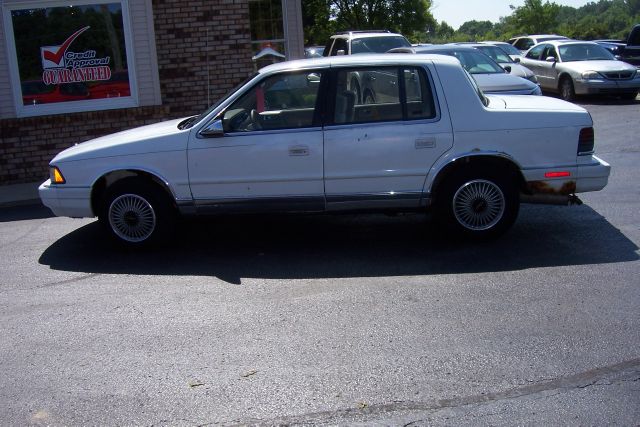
(282, 101)
(524, 43)
(549, 51)
(535, 52)
(340, 44)
(419, 97)
(367, 95)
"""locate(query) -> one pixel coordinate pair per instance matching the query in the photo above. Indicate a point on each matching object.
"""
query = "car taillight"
(586, 142)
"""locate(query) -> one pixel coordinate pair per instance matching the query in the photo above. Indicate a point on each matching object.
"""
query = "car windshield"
(377, 44)
(472, 60)
(584, 52)
(185, 124)
(495, 53)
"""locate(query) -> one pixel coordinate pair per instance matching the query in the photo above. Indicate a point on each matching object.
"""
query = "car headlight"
(56, 176)
(536, 91)
(591, 75)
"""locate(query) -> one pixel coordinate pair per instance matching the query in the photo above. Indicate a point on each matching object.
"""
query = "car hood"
(145, 139)
(503, 83)
(603, 66)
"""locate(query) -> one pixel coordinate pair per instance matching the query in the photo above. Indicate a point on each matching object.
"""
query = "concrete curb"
(19, 195)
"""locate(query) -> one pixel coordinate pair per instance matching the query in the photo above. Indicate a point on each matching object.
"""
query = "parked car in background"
(511, 50)
(294, 139)
(581, 68)
(504, 60)
(625, 50)
(490, 77)
(313, 51)
(358, 42)
(524, 43)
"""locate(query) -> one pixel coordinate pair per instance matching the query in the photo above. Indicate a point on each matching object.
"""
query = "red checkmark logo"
(56, 56)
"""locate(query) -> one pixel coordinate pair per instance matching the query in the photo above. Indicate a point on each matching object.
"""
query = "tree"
(405, 17)
(534, 17)
(475, 29)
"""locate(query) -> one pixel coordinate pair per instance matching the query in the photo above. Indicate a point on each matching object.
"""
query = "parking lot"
(333, 319)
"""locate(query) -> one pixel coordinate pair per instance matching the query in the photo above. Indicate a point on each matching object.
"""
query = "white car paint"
(338, 164)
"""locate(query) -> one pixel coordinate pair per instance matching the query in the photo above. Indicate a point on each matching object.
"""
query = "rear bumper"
(74, 202)
(588, 176)
(593, 176)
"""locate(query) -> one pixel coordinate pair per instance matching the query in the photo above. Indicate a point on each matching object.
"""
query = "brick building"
(74, 70)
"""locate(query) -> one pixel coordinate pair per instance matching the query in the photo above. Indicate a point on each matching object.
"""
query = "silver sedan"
(581, 68)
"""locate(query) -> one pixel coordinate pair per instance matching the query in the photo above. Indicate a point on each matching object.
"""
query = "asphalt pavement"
(332, 320)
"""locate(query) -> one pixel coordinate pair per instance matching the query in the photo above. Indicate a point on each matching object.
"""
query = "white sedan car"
(295, 138)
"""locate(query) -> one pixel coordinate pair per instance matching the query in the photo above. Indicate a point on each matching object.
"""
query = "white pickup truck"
(295, 137)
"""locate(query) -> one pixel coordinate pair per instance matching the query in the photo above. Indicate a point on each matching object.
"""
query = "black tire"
(137, 213)
(567, 91)
(629, 96)
(477, 204)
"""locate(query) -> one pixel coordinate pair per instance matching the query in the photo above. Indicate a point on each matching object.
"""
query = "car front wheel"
(478, 205)
(567, 92)
(136, 213)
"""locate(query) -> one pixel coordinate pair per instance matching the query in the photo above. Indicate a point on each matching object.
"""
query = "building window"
(70, 57)
(267, 32)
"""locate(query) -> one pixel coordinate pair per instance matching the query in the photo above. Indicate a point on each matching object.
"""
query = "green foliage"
(321, 18)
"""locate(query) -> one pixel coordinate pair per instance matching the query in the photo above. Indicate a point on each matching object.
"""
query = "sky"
(457, 12)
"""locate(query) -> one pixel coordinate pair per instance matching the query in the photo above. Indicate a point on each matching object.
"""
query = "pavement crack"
(67, 281)
(621, 372)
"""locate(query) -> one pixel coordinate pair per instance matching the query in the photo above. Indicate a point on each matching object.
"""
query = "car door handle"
(299, 150)
(425, 143)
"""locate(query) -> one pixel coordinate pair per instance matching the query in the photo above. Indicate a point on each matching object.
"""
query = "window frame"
(22, 110)
(318, 107)
(330, 98)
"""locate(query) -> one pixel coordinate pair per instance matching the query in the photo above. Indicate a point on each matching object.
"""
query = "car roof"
(444, 47)
(364, 35)
(537, 36)
(567, 42)
(357, 60)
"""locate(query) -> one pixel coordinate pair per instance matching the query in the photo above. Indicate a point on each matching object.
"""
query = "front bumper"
(74, 202)
(602, 86)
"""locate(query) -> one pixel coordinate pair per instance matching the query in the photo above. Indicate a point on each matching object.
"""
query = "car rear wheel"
(567, 92)
(478, 204)
(137, 213)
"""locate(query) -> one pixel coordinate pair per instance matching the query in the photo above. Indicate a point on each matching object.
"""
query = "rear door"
(378, 153)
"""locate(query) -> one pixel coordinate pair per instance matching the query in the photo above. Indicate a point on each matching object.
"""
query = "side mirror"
(550, 59)
(340, 52)
(213, 130)
(507, 68)
(313, 78)
(516, 59)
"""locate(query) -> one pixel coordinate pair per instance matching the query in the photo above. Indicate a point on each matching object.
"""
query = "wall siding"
(194, 39)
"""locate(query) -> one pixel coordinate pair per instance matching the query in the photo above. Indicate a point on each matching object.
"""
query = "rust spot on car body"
(547, 187)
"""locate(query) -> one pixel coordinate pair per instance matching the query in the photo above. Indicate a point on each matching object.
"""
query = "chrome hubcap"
(132, 218)
(478, 205)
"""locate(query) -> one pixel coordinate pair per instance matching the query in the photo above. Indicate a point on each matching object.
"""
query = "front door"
(270, 155)
(379, 149)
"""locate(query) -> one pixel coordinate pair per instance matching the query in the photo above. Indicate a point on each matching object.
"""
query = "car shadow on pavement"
(23, 213)
(304, 247)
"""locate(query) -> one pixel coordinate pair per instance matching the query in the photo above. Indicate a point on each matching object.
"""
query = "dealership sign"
(61, 65)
